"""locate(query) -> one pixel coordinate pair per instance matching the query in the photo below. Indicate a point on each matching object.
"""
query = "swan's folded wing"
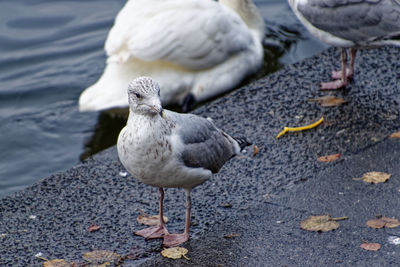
(191, 34)
(356, 20)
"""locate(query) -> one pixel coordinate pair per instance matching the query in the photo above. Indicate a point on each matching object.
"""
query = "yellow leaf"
(375, 177)
(296, 129)
(57, 263)
(329, 101)
(370, 246)
(395, 135)
(102, 257)
(329, 158)
(175, 253)
(231, 235)
(322, 223)
(150, 220)
(381, 222)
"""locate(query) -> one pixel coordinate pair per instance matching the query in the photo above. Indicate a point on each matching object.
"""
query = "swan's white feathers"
(198, 47)
(145, 35)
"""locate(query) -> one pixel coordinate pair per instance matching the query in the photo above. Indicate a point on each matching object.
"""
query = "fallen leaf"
(93, 227)
(371, 246)
(302, 128)
(395, 135)
(57, 263)
(381, 222)
(322, 223)
(231, 235)
(329, 101)
(150, 220)
(226, 205)
(374, 177)
(174, 253)
(329, 158)
(102, 257)
(255, 152)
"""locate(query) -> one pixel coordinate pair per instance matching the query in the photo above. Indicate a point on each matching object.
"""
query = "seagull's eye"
(138, 96)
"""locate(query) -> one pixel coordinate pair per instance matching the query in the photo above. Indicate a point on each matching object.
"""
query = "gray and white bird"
(168, 149)
(350, 24)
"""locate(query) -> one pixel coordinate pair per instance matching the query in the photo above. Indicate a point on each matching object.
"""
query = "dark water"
(51, 50)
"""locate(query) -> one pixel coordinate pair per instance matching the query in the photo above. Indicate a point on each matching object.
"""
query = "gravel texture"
(262, 198)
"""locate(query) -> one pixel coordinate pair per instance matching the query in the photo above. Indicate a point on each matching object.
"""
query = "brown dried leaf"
(255, 152)
(93, 227)
(329, 101)
(370, 246)
(381, 222)
(329, 158)
(375, 177)
(174, 253)
(57, 263)
(395, 135)
(150, 220)
(232, 235)
(101, 257)
(226, 205)
(322, 223)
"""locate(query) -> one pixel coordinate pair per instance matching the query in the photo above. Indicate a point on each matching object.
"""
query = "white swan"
(350, 24)
(196, 49)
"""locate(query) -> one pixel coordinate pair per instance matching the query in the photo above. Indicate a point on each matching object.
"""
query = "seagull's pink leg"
(349, 71)
(173, 240)
(337, 74)
(156, 231)
(342, 82)
(353, 52)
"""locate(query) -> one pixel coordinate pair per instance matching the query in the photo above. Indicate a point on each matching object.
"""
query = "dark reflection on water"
(51, 50)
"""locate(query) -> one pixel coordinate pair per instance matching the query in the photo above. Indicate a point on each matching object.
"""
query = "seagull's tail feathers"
(242, 141)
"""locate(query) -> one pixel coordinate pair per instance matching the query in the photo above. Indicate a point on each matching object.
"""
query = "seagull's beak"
(156, 108)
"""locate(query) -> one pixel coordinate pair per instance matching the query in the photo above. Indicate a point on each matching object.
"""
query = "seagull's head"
(144, 97)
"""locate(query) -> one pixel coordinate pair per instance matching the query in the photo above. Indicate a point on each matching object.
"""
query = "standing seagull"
(167, 149)
(195, 49)
(350, 24)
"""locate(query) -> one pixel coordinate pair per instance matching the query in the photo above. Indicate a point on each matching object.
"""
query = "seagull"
(168, 149)
(352, 24)
(195, 49)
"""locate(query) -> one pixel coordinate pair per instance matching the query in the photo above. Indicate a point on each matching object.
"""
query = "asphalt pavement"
(248, 214)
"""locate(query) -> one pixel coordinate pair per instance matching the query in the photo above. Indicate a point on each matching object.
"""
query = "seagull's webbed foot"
(173, 240)
(338, 84)
(153, 232)
(341, 77)
(338, 74)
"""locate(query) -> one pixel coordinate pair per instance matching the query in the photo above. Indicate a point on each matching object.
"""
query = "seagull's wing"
(360, 21)
(203, 145)
(193, 34)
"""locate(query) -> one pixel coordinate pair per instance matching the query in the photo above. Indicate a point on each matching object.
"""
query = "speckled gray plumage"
(172, 149)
